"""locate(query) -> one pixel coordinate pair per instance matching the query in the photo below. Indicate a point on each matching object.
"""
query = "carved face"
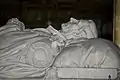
(72, 29)
(70, 26)
(75, 29)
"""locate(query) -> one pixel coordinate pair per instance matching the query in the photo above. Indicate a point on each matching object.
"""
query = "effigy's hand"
(57, 43)
(55, 33)
(57, 38)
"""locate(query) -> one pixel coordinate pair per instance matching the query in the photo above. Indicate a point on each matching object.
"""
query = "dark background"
(36, 13)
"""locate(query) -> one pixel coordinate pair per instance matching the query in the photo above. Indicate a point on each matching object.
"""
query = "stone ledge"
(87, 73)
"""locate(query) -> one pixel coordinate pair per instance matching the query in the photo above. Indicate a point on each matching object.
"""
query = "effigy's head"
(72, 25)
(79, 29)
(14, 21)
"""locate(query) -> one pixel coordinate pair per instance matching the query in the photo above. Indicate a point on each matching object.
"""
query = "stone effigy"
(83, 52)
(50, 53)
(89, 50)
(19, 50)
(79, 28)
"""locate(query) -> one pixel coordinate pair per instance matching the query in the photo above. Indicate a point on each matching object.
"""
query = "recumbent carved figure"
(40, 52)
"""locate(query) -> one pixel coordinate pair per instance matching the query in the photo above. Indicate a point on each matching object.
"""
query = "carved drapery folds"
(20, 49)
(39, 52)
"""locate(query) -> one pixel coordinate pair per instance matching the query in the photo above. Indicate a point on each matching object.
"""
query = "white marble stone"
(34, 52)
(79, 29)
(86, 73)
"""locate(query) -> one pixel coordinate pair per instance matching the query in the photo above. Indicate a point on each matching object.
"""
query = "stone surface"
(97, 53)
(86, 73)
(29, 53)
(79, 29)
(20, 50)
